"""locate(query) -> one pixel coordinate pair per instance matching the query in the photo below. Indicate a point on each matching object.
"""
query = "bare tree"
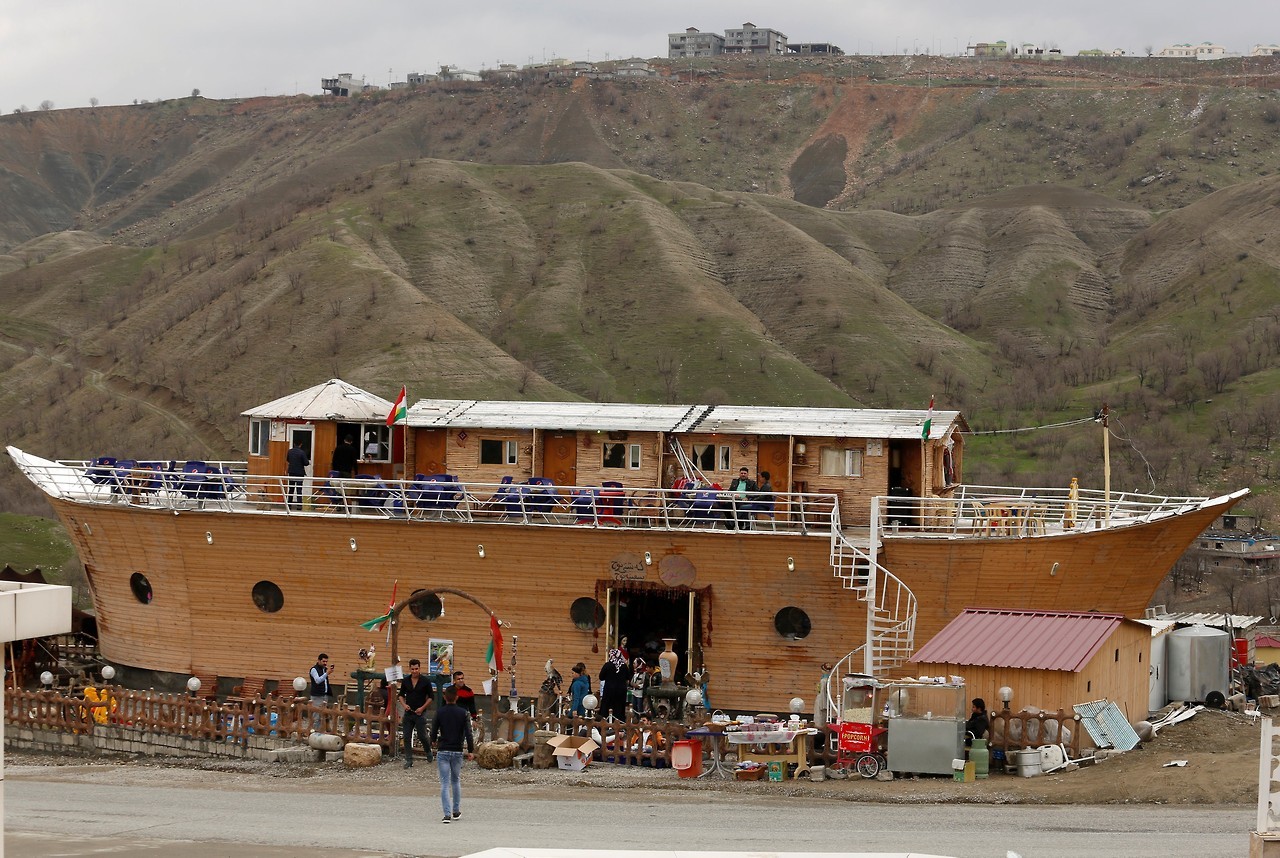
(93, 102)
(46, 105)
(195, 93)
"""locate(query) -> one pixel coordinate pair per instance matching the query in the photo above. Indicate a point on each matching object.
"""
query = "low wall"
(120, 739)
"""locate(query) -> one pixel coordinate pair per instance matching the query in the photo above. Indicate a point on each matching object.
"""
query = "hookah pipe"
(513, 701)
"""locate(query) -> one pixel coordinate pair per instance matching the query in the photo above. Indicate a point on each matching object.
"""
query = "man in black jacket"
(451, 727)
(344, 458)
(415, 691)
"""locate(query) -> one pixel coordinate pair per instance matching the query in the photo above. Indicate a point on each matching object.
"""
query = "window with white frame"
(376, 442)
(839, 462)
(616, 455)
(494, 452)
(259, 435)
(709, 457)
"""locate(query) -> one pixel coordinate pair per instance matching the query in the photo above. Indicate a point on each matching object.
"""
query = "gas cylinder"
(981, 758)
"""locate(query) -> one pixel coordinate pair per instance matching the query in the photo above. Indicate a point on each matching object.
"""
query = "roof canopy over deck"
(334, 400)
(737, 419)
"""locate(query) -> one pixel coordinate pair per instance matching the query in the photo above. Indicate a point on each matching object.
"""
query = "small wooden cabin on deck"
(856, 454)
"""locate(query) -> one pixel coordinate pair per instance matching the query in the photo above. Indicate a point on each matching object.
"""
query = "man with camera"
(321, 695)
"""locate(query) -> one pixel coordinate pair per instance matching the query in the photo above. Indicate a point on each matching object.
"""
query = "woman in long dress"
(615, 678)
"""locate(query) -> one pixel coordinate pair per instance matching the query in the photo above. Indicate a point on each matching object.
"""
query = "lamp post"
(193, 685)
(46, 679)
(1006, 694)
(108, 673)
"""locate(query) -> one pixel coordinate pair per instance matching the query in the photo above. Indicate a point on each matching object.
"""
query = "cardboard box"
(572, 753)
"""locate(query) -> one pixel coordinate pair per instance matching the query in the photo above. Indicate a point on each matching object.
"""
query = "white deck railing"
(225, 487)
(1002, 511)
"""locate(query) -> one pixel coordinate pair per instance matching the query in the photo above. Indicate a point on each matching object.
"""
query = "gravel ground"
(1221, 750)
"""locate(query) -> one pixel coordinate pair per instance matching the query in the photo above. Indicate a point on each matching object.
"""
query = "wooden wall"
(203, 566)
(591, 470)
(855, 493)
(1110, 571)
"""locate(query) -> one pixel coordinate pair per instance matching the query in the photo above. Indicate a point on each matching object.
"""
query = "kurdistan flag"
(494, 654)
(399, 411)
(928, 422)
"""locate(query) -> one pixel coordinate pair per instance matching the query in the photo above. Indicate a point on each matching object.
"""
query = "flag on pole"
(494, 654)
(390, 605)
(376, 624)
(928, 422)
(399, 411)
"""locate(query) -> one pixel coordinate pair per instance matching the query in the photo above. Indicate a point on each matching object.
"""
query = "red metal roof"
(1266, 640)
(1037, 640)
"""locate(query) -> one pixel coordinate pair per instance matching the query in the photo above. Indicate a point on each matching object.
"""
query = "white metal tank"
(1198, 664)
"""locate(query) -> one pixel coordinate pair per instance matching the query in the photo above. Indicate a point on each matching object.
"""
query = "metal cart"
(860, 740)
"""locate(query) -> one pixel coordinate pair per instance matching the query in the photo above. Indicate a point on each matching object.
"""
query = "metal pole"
(1106, 461)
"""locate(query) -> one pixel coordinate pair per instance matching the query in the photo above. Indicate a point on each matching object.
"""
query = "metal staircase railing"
(891, 613)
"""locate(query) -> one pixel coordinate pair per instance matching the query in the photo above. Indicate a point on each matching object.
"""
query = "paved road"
(54, 816)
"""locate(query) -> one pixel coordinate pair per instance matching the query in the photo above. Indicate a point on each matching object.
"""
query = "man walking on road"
(451, 727)
(415, 690)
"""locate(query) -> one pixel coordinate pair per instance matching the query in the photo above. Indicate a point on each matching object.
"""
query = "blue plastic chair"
(583, 506)
(702, 508)
(101, 470)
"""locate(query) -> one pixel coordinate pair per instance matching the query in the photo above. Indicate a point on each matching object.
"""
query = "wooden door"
(428, 454)
(771, 456)
(560, 457)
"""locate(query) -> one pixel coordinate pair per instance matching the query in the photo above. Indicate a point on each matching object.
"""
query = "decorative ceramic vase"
(667, 662)
(981, 758)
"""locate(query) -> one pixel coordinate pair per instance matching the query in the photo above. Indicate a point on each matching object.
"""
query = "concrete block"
(1269, 701)
(295, 755)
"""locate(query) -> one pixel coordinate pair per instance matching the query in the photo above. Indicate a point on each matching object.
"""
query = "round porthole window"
(792, 623)
(428, 608)
(586, 613)
(267, 597)
(141, 588)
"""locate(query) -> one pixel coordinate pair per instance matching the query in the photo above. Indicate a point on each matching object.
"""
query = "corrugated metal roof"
(335, 399)
(1158, 627)
(588, 416)
(1106, 725)
(1238, 622)
(897, 423)
(615, 416)
(1034, 640)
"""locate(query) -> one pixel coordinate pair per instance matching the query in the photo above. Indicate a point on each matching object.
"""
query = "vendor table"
(766, 746)
(717, 751)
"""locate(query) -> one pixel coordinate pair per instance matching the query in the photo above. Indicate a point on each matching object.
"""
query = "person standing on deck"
(450, 728)
(415, 691)
(344, 458)
(742, 488)
(297, 461)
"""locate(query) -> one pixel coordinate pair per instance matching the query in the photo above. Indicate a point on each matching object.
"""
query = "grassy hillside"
(1024, 242)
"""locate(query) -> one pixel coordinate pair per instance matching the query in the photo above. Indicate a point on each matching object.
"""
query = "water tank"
(1198, 662)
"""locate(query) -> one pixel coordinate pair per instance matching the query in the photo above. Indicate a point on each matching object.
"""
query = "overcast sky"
(68, 51)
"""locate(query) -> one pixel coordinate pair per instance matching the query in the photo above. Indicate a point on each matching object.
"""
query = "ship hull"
(336, 572)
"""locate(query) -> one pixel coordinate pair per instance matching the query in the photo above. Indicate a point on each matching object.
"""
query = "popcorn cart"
(860, 742)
